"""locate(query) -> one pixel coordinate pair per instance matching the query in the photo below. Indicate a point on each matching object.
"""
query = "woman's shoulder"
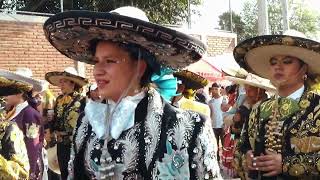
(181, 116)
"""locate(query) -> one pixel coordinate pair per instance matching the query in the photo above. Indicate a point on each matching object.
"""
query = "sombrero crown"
(17, 82)
(69, 73)
(191, 80)
(254, 54)
(73, 33)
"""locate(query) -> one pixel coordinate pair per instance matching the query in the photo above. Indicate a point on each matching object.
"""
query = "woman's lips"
(278, 76)
(102, 83)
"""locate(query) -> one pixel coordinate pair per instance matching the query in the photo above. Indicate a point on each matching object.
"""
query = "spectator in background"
(93, 92)
(216, 113)
(187, 89)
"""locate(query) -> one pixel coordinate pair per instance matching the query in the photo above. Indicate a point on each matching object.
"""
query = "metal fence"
(49, 7)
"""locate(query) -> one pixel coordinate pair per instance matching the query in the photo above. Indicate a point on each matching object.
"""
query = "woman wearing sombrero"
(67, 109)
(17, 87)
(189, 84)
(283, 132)
(135, 133)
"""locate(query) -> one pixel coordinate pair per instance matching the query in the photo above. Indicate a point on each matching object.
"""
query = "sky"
(211, 9)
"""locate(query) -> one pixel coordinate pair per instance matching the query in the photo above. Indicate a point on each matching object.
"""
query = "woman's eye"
(273, 62)
(110, 61)
(287, 60)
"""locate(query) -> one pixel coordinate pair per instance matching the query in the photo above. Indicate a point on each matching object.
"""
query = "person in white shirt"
(216, 113)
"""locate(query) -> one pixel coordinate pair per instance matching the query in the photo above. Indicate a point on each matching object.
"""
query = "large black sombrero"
(191, 80)
(17, 82)
(254, 54)
(69, 73)
(73, 32)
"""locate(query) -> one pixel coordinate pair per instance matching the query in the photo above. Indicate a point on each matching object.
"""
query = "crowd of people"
(147, 117)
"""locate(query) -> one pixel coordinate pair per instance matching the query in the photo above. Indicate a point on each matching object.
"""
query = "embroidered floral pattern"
(14, 163)
(144, 137)
(174, 164)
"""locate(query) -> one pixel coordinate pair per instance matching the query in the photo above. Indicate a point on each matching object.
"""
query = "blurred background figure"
(188, 84)
(17, 90)
(93, 92)
(216, 114)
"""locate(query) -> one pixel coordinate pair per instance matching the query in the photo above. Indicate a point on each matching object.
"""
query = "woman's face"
(115, 71)
(13, 100)
(66, 86)
(286, 70)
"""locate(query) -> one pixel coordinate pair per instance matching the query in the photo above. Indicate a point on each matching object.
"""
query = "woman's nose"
(97, 71)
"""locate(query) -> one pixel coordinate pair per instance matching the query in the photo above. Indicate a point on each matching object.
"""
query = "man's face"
(215, 91)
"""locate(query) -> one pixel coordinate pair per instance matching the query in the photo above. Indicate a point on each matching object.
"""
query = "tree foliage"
(237, 23)
(301, 18)
(158, 11)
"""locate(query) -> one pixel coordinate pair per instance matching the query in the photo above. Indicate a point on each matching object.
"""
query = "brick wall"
(219, 45)
(22, 44)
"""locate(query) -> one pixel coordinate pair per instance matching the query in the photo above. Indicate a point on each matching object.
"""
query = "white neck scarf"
(122, 117)
(19, 108)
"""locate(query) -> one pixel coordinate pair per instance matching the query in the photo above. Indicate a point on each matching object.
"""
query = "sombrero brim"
(55, 77)
(263, 85)
(254, 54)
(12, 83)
(73, 32)
(191, 80)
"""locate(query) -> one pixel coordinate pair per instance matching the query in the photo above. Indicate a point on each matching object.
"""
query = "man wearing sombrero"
(17, 89)
(283, 132)
(66, 111)
(134, 133)
(190, 83)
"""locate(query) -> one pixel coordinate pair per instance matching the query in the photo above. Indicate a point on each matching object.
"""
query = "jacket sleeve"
(33, 139)
(205, 158)
(14, 163)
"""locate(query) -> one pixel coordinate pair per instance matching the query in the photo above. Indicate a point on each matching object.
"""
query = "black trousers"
(218, 132)
(63, 152)
(53, 176)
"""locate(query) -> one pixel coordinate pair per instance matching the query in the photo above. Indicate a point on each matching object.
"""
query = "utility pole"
(263, 22)
(189, 14)
(285, 16)
(231, 23)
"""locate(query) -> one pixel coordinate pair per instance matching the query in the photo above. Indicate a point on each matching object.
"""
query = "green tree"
(301, 18)
(237, 23)
(158, 11)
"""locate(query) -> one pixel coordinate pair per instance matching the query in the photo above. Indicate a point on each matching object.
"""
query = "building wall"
(23, 44)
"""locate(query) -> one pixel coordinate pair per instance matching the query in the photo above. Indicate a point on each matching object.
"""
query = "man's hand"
(271, 163)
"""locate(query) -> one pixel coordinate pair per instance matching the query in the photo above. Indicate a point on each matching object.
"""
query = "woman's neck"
(285, 91)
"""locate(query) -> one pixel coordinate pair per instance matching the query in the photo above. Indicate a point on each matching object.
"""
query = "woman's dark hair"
(136, 52)
(33, 102)
(244, 112)
(231, 89)
(77, 88)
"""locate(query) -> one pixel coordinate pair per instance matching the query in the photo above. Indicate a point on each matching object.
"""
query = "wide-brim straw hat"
(73, 33)
(69, 73)
(254, 54)
(253, 80)
(191, 80)
(17, 82)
